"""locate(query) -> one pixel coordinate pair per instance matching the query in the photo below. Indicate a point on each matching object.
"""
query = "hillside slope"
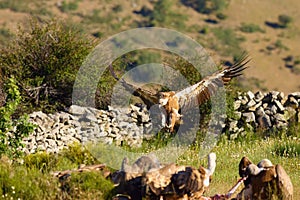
(268, 48)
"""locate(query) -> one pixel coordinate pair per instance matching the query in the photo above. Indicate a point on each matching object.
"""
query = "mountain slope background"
(274, 50)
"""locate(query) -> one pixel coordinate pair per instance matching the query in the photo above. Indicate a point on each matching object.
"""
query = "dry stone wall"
(270, 110)
(81, 124)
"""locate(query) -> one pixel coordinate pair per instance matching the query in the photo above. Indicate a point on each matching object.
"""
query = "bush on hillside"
(162, 15)
(284, 20)
(44, 61)
(250, 28)
(207, 6)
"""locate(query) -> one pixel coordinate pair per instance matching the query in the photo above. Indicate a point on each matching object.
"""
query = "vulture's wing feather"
(148, 97)
(203, 90)
(284, 183)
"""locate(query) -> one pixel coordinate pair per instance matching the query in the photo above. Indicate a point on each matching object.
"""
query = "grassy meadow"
(32, 177)
(44, 42)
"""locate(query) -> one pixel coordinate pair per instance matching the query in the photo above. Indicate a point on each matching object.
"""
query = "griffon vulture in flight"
(196, 94)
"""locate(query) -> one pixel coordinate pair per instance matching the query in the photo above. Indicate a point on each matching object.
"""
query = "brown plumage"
(202, 91)
(194, 95)
(166, 182)
(264, 181)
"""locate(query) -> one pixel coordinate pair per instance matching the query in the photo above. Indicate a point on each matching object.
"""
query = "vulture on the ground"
(264, 181)
(168, 181)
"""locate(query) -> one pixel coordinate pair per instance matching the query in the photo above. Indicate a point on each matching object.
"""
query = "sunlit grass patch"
(290, 148)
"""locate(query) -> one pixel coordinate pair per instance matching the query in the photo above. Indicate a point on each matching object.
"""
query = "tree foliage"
(12, 131)
(44, 61)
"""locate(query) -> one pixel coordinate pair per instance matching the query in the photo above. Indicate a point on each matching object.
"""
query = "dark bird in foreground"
(264, 181)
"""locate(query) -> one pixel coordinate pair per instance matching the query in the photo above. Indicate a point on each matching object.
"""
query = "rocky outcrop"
(131, 125)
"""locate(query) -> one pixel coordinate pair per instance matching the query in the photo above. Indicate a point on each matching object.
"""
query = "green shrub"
(284, 20)
(89, 185)
(19, 182)
(34, 178)
(118, 8)
(250, 28)
(67, 7)
(221, 16)
(278, 44)
(227, 43)
(207, 6)
(162, 15)
(44, 61)
(77, 154)
(12, 131)
(41, 161)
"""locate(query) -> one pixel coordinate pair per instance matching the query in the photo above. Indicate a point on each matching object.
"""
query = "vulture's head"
(163, 97)
(244, 163)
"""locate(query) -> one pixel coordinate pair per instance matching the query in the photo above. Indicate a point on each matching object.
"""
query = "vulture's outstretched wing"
(284, 183)
(148, 97)
(195, 94)
(203, 90)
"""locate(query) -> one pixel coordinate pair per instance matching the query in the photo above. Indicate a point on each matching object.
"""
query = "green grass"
(229, 154)
(33, 177)
(39, 183)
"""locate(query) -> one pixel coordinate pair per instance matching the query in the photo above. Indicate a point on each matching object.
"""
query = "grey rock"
(280, 96)
(233, 126)
(249, 116)
(59, 143)
(264, 105)
(296, 95)
(260, 111)
(135, 108)
(292, 102)
(250, 95)
(244, 101)
(274, 94)
(51, 143)
(39, 138)
(256, 106)
(273, 109)
(250, 103)
(279, 105)
(280, 117)
(258, 96)
(237, 104)
(77, 110)
(268, 112)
